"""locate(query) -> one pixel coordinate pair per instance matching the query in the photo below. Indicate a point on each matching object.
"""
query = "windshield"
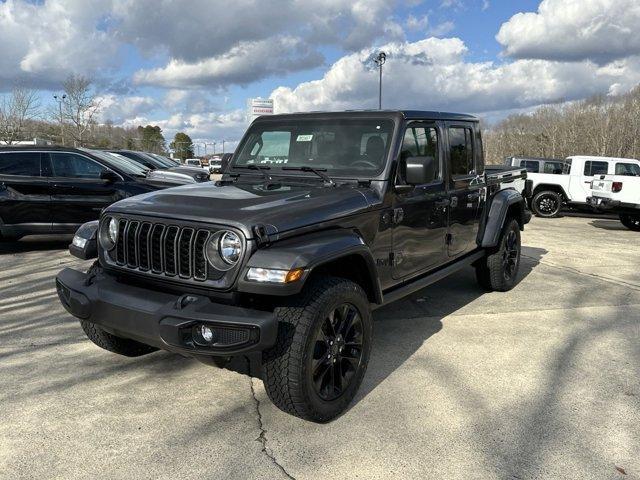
(356, 147)
(119, 162)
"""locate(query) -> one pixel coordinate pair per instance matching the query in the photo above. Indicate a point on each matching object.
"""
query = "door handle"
(474, 196)
(445, 202)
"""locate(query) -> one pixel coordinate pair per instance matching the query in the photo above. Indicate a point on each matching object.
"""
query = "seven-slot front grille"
(161, 249)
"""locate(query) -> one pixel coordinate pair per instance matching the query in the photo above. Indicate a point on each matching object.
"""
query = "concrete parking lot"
(540, 382)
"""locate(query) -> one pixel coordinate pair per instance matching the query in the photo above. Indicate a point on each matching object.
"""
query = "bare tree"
(79, 108)
(17, 110)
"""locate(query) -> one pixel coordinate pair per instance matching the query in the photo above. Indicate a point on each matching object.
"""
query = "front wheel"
(322, 350)
(631, 221)
(546, 204)
(498, 271)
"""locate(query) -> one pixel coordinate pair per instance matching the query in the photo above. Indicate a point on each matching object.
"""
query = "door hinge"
(398, 215)
(448, 239)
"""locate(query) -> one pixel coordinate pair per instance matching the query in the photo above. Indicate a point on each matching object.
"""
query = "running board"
(414, 285)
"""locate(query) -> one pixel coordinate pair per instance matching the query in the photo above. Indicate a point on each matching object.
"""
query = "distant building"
(34, 142)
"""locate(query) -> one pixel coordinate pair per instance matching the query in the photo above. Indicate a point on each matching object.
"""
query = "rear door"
(78, 194)
(466, 187)
(420, 216)
(24, 191)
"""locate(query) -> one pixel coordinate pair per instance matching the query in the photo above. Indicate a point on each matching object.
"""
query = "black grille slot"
(143, 246)
(121, 257)
(132, 244)
(199, 258)
(170, 240)
(156, 248)
(184, 252)
(163, 250)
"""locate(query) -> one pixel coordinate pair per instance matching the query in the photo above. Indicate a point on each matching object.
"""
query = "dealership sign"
(258, 107)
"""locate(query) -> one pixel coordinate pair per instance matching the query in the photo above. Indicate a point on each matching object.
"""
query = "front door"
(78, 194)
(420, 216)
(466, 189)
(24, 192)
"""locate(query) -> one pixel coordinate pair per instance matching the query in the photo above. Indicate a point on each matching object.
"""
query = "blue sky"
(190, 65)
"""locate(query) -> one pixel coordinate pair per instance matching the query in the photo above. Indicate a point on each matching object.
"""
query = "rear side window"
(532, 166)
(70, 165)
(630, 169)
(20, 163)
(553, 167)
(461, 148)
(595, 168)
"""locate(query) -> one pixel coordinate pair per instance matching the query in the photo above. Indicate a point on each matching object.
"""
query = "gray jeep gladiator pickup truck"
(318, 219)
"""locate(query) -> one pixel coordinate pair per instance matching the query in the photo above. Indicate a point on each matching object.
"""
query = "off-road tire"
(287, 367)
(546, 204)
(491, 270)
(631, 221)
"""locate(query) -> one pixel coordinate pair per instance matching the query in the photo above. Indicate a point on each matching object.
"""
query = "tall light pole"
(223, 147)
(379, 61)
(60, 100)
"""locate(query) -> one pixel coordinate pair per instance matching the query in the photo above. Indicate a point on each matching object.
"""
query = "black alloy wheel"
(632, 222)
(511, 255)
(547, 204)
(337, 352)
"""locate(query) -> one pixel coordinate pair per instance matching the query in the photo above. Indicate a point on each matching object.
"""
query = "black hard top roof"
(406, 114)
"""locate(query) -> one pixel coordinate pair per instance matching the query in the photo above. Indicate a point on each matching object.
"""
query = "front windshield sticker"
(304, 138)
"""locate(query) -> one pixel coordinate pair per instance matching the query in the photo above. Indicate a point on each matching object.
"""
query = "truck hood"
(280, 209)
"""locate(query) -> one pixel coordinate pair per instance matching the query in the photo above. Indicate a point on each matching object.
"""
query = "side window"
(595, 168)
(553, 167)
(20, 163)
(532, 166)
(630, 169)
(421, 141)
(70, 165)
(461, 151)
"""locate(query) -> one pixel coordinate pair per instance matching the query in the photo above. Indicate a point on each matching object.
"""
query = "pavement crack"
(262, 438)
(586, 274)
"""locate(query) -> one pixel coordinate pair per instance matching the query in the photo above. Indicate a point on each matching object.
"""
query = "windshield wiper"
(268, 182)
(317, 171)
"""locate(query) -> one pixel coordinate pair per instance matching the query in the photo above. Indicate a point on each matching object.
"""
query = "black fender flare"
(501, 202)
(88, 232)
(309, 252)
(543, 187)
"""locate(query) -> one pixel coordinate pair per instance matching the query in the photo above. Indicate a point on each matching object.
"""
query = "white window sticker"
(304, 138)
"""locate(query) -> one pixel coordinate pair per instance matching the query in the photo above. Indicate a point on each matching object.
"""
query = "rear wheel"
(499, 270)
(631, 221)
(322, 350)
(546, 204)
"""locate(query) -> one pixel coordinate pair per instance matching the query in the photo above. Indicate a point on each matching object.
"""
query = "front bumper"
(164, 320)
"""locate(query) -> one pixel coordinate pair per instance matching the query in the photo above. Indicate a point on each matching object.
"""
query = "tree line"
(72, 120)
(606, 126)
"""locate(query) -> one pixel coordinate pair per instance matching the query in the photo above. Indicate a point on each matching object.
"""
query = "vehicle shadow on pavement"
(35, 243)
(614, 225)
(403, 327)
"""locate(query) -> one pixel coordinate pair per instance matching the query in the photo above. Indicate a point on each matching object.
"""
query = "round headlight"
(223, 250)
(109, 234)
(230, 247)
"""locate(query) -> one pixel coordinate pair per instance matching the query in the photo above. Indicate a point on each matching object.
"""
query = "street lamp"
(60, 100)
(379, 61)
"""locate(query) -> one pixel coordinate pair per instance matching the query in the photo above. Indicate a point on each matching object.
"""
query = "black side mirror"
(109, 176)
(420, 170)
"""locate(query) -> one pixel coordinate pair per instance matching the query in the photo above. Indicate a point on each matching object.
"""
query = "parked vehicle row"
(47, 190)
(552, 192)
(289, 259)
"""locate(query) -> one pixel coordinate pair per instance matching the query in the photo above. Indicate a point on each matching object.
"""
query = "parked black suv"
(55, 189)
(319, 219)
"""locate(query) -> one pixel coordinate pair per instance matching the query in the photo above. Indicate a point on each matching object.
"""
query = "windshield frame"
(272, 122)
